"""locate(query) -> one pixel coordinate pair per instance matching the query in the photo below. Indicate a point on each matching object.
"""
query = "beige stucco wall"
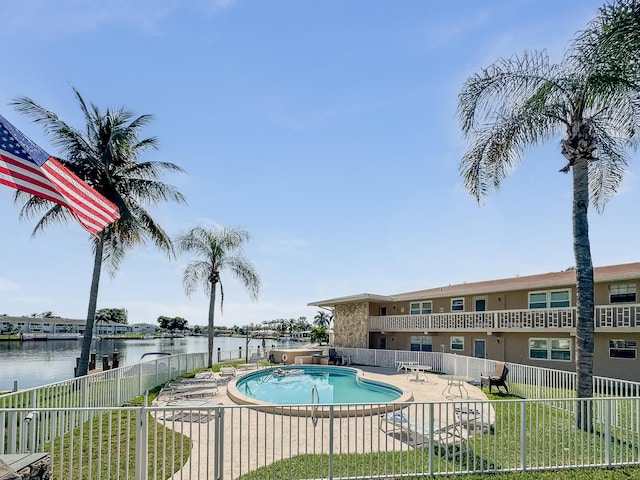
(351, 325)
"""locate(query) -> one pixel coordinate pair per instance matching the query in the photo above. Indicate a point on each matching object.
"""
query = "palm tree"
(591, 99)
(321, 319)
(216, 251)
(105, 154)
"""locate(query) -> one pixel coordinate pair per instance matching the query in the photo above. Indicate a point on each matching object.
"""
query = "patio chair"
(498, 378)
(334, 357)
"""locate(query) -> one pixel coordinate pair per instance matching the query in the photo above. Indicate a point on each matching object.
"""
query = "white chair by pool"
(416, 432)
(228, 372)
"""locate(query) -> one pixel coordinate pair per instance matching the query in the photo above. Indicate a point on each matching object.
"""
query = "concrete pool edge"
(322, 410)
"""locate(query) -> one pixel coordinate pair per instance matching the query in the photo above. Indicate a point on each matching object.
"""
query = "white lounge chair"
(416, 433)
(253, 363)
(228, 372)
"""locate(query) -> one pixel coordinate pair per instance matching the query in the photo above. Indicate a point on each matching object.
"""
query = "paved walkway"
(253, 438)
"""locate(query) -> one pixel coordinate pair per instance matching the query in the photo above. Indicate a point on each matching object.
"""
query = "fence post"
(607, 429)
(218, 449)
(140, 367)
(142, 444)
(523, 435)
(118, 386)
(331, 452)
(431, 434)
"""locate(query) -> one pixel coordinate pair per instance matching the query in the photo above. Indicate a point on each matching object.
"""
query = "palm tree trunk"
(83, 366)
(212, 305)
(584, 285)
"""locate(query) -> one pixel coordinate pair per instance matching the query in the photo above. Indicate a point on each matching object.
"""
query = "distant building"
(42, 325)
(109, 327)
(142, 328)
(58, 326)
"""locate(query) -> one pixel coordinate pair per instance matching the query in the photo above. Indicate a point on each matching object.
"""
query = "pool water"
(333, 385)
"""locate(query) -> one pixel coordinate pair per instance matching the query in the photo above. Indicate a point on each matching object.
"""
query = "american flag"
(27, 167)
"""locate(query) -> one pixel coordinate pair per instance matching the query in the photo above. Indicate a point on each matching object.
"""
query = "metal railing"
(606, 317)
(86, 433)
(229, 442)
(106, 389)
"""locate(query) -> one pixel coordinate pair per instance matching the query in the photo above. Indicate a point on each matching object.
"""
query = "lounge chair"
(228, 372)
(253, 363)
(417, 433)
(473, 420)
(498, 378)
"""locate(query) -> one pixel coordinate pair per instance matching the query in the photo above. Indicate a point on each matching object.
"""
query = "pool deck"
(429, 388)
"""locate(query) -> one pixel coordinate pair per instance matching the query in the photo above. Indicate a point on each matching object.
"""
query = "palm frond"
(527, 80)
(498, 147)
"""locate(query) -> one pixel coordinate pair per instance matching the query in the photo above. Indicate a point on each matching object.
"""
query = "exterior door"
(383, 343)
(479, 348)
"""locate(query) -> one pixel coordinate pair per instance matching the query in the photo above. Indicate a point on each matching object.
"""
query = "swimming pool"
(331, 385)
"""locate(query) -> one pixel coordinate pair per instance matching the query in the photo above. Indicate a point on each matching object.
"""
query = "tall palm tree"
(105, 153)
(216, 251)
(591, 99)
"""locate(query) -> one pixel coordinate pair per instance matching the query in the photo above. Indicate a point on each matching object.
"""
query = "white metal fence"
(228, 442)
(86, 432)
(523, 380)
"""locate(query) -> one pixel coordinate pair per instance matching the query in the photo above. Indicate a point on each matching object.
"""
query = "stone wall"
(350, 325)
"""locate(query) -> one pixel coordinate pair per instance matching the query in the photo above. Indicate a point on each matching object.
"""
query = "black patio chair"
(334, 358)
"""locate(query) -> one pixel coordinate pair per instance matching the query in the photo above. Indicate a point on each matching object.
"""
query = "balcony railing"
(606, 317)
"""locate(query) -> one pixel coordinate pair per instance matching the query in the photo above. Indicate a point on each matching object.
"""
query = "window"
(417, 308)
(561, 349)
(538, 300)
(623, 349)
(550, 349)
(550, 299)
(559, 299)
(622, 293)
(421, 343)
(457, 305)
(457, 343)
(481, 304)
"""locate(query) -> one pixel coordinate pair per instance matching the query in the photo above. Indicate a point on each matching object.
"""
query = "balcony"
(608, 318)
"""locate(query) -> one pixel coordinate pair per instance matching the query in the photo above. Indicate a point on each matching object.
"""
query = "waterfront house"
(57, 327)
(528, 320)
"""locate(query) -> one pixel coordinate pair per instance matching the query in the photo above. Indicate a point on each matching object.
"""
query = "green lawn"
(486, 451)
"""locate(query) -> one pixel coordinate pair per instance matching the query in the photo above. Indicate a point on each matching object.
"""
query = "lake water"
(33, 364)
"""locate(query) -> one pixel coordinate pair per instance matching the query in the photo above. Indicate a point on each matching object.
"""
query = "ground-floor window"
(457, 343)
(550, 349)
(623, 348)
(421, 343)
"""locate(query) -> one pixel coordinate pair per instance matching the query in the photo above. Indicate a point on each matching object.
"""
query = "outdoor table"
(400, 364)
(414, 372)
(453, 382)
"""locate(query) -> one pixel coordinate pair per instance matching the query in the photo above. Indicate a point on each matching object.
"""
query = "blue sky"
(325, 128)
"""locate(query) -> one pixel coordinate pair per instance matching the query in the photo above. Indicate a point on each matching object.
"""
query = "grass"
(486, 451)
(104, 447)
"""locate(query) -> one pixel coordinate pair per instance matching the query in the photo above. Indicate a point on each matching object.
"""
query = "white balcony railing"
(606, 317)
